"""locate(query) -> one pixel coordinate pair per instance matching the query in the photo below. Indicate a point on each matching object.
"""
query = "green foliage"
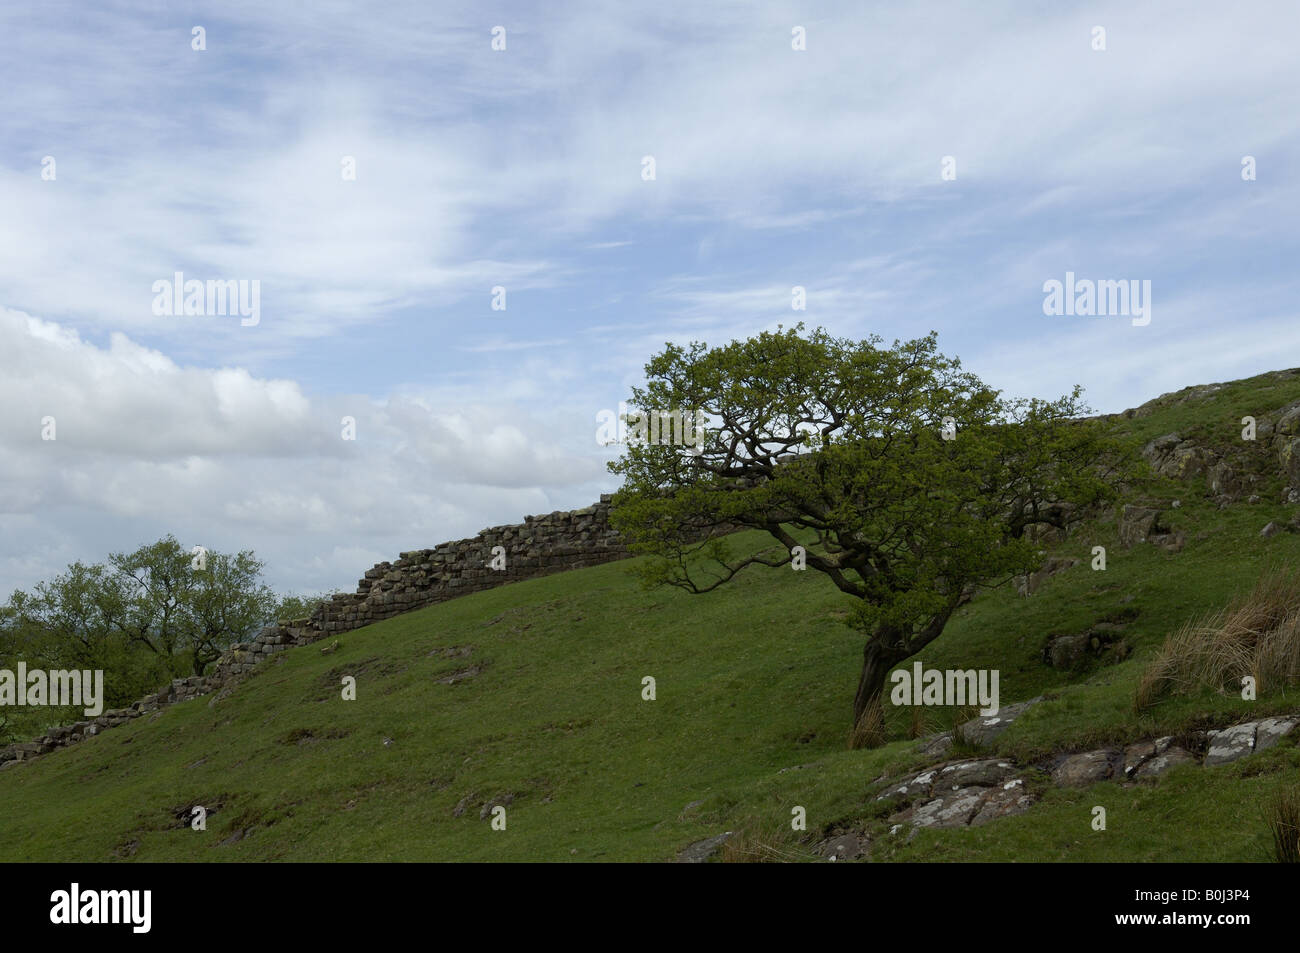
(842, 440)
(142, 617)
(908, 482)
(177, 609)
(292, 607)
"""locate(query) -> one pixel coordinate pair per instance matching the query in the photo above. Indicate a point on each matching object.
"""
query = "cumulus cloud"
(230, 460)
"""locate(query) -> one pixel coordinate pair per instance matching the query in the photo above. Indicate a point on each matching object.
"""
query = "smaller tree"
(174, 608)
(294, 606)
(142, 617)
(228, 604)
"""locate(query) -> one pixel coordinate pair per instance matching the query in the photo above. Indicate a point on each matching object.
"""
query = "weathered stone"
(843, 847)
(985, 773)
(502, 800)
(1087, 767)
(910, 788)
(1003, 801)
(1172, 542)
(1270, 731)
(1222, 478)
(1158, 764)
(935, 745)
(1066, 651)
(1138, 753)
(983, 730)
(1289, 456)
(1136, 523)
(1161, 447)
(690, 809)
(973, 806)
(1288, 423)
(1028, 585)
(950, 809)
(1230, 744)
(702, 851)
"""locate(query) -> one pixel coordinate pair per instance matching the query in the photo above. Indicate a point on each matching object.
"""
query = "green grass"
(751, 679)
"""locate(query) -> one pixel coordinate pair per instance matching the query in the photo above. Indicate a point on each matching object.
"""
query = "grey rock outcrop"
(1237, 741)
(1088, 767)
(843, 847)
(983, 730)
(961, 794)
(702, 851)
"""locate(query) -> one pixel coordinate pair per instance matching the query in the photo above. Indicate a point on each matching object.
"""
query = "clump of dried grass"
(1282, 815)
(765, 842)
(919, 725)
(869, 732)
(1257, 634)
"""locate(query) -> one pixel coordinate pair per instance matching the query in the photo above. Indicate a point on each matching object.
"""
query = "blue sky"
(522, 169)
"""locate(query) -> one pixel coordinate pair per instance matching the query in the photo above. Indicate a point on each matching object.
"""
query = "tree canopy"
(142, 617)
(907, 481)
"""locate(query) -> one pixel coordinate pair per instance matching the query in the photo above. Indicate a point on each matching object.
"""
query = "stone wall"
(539, 546)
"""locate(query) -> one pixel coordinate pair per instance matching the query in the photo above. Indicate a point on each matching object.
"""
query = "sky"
(378, 170)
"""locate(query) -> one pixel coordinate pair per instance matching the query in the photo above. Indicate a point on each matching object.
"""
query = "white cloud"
(225, 459)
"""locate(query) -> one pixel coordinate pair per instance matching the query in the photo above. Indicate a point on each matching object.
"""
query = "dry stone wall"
(540, 546)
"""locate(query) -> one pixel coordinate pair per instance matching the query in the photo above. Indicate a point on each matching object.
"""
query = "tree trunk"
(877, 660)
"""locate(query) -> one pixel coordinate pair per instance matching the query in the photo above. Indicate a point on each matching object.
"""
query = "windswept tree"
(906, 481)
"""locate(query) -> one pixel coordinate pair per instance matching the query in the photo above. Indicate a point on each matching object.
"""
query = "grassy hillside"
(753, 679)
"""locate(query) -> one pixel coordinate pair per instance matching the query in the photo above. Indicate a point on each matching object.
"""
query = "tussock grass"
(919, 726)
(763, 842)
(1257, 634)
(959, 716)
(869, 732)
(1282, 815)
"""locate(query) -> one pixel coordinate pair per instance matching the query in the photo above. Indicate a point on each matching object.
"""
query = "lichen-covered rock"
(950, 809)
(1289, 456)
(1237, 741)
(1223, 478)
(973, 806)
(843, 847)
(983, 730)
(1087, 767)
(1004, 801)
(1138, 753)
(1136, 523)
(1170, 757)
(935, 745)
(908, 789)
(986, 773)
(1230, 744)
(1269, 731)
(958, 794)
(703, 850)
